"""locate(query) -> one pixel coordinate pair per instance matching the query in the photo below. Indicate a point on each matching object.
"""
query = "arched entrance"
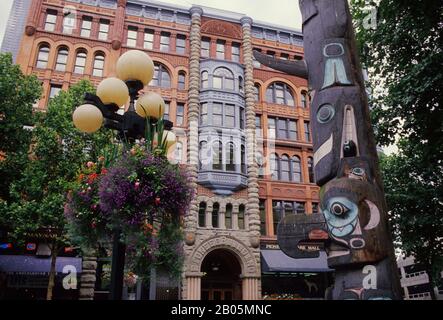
(221, 276)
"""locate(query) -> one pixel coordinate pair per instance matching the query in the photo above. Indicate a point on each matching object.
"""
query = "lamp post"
(135, 70)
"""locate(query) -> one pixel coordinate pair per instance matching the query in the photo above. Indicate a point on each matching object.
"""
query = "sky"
(280, 12)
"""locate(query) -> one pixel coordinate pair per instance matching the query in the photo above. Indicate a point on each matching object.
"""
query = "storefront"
(287, 278)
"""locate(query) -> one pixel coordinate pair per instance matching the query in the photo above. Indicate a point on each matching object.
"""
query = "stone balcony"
(223, 183)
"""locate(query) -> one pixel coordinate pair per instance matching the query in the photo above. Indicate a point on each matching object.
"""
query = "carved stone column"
(250, 289)
(193, 113)
(119, 23)
(194, 287)
(31, 24)
(252, 209)
(87, 279)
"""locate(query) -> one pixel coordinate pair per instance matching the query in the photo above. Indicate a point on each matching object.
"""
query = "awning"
(35, 265)
(276, 261)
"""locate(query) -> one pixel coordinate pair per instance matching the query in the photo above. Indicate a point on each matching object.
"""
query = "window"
(103, 30)
(307, 131)
(164, 41)
(180, 46)
(99, 65)
(280, 93)
(285, 173)
(262, 208)
(203, 155)
(284, 56)
(205, 80)
(304, 100)
(315, 208)
(69, 22)
(277, 214)
(270, 54)
(282, 129)
(311, 170)
(180, 114)
(229, 116)
(80, 62)
(282, 208)
(243, 160)
(179, 152)
(132, 37)
(148, 41)
(43, 56)
(258, 132)
(217, 155)
(51, 20)
(235, 52)
(62, 59)
(242, 118)
(293, 135)
(161, 76)
(55, 89)
(204, 114)
(228, 216)
(261, 164)
(217, 114)
(202, 214)
(215, 212)
(166, 113)
(241, 85)
(205, 45)
(241, 217)
(272, 133)
(181, 80)
(223, 79)
(255, 63)
(274, 166)
(256, 93)
(220, 49)
(230, 157)
(296, 169)
(86, 27)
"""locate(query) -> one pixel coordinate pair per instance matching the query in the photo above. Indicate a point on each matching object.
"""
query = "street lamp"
(135, 70)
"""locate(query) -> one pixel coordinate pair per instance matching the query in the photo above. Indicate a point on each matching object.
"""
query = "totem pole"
(359, 248)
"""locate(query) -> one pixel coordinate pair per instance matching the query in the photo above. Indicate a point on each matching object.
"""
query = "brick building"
(243, 128)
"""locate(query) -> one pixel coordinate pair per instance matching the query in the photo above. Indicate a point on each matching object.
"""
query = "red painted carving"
(218, 27)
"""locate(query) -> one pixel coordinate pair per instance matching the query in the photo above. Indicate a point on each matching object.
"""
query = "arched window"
(243, 160)
(181, 80)
(280, 93)
(215, 212)
(223, 79)
(62, 59)
(274, 166)
(285, 173)
(230, 157)
(80, 62)
(256, 92)
(205, 80)
(241, 216)
(311, 169)
(99, 65)
(228, 216)
(304, 100)
(202, 215)
(217, 155)
(296, 169)
(43, 56)
(161, 76)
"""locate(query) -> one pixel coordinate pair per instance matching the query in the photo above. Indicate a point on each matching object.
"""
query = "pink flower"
(137, 185)
(90, 164)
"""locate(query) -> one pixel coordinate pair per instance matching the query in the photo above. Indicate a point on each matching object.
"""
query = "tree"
(18, 93)
(404, 58)
(58, 152)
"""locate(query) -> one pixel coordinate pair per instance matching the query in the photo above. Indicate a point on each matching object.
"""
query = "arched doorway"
(221, 276)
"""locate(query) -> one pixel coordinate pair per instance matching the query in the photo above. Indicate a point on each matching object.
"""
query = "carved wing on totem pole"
(352, 201)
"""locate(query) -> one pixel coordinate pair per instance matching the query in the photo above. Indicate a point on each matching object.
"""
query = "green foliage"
(58, 152)
(404, 58)
(18, 93)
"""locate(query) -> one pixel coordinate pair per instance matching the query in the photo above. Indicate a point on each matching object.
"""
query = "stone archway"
(250, 268)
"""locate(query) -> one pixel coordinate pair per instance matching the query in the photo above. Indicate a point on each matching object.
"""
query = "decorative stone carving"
(218, 28)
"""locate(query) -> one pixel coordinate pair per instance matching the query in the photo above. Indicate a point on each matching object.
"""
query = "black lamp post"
(130, 126)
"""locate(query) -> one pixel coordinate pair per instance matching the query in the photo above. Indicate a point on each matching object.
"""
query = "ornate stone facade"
(233, 211)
